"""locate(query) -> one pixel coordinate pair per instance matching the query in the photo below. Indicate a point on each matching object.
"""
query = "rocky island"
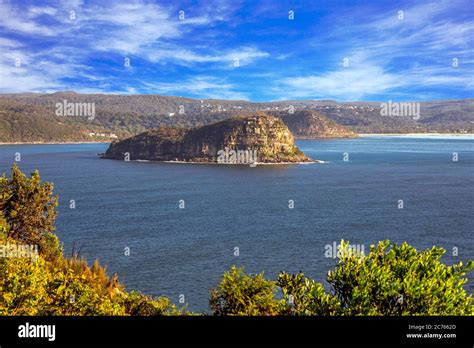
(259, 138)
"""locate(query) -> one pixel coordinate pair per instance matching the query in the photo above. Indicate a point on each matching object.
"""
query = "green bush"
(391, 280)
(303, 296)
(69, 287)
(22, 284)
(241, 294)
(399, 280)
(49, 283)
(137, 304)
(29, 208)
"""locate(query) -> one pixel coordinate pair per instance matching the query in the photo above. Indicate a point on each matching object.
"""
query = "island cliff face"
(265, 137)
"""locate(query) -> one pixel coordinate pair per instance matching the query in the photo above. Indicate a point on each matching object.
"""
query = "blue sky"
(250, 50)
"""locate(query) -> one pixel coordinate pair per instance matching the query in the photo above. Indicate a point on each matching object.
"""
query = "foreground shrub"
(303, 296)
(69, 287)
(399, 280)
(137, 304)
(29, 208)
(47, 283)
(391, 280)
(22, 285)
(241, 294)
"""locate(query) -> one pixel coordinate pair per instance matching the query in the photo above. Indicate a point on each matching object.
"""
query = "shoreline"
(238, 164)
(224, 164)
(361, 135)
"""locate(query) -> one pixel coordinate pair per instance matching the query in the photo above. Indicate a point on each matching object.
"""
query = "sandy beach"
(416, 134)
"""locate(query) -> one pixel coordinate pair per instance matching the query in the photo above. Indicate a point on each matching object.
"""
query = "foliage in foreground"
(391, 280)
(241, 294)
(46, 282)
(29, 210)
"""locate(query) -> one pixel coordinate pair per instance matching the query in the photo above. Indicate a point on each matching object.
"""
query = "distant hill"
(20, 122)
(312, 124)
(127, 115)
(448, 116)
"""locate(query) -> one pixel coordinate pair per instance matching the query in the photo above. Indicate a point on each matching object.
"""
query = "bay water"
(185, 224)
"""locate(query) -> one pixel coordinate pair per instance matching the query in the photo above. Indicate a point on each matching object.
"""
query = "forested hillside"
(29, 117)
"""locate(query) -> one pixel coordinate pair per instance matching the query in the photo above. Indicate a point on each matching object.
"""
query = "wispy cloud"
(133, 28)
(391, 52)
(196, 54)
(36, 11)
(14, 19)
(139, 29)
(198, 87)
(240, 57)
(348, 84)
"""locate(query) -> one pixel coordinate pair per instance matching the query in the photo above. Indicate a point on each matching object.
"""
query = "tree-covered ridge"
(37, 279)
(20, 122)
(30, 117)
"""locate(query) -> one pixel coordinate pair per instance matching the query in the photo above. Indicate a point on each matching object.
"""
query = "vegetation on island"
(390, 280)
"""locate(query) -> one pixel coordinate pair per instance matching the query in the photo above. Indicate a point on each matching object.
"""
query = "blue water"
(177, 251)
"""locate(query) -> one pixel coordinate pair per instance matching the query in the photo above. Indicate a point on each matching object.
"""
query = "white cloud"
(14, 20)
(20, 79)
(244, 55)
(388, 55)
(7, 43)
(199, 87)
(345, 84)
(132, 28)
(36, 11)
(363, 81)
(147, 30)
(24, 71)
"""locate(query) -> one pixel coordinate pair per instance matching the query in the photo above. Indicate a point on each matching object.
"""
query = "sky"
(246, 50)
